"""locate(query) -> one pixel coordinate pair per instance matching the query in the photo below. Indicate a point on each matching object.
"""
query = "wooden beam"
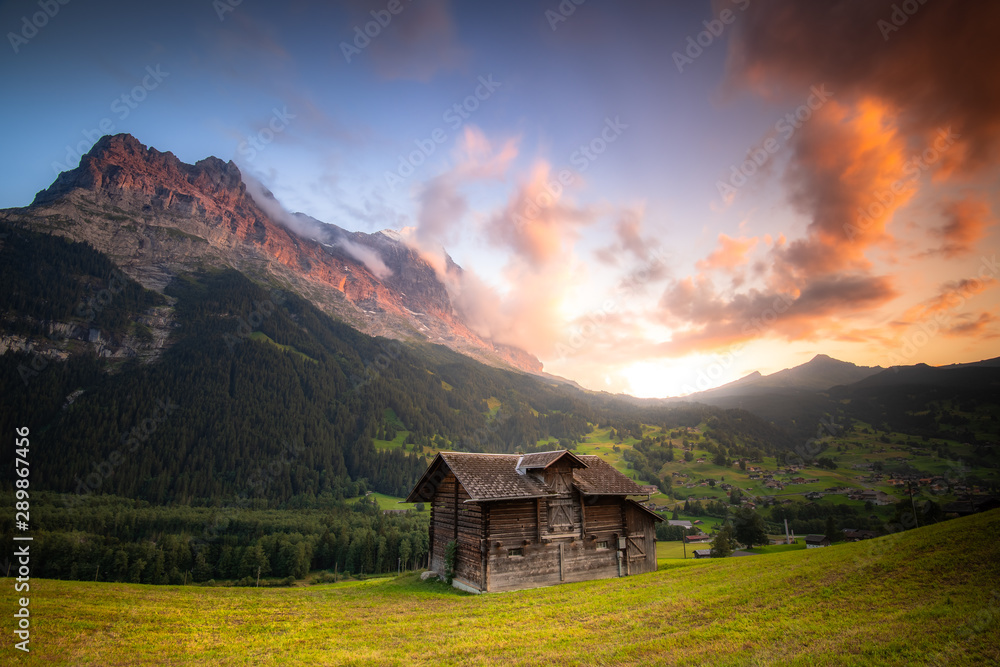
(430, 533)
(485, 544)
(538, 519)
(583, 516)
(456, 510)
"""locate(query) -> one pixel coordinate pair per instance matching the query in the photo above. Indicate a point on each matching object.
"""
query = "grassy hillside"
(929, 596)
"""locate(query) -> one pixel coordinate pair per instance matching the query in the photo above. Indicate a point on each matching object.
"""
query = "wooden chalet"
(521, 521)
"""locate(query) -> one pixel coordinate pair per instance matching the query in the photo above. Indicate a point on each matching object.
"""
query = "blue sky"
(642, 273)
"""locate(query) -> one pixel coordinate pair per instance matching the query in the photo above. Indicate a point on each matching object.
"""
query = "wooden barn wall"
(604, 517)
(513, 521)
(540, 565)
(513, 525)
(486, 533)
(454, 519)
(639, 522)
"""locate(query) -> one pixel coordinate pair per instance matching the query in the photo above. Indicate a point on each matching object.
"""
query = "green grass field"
(929, 596)
(385, 502)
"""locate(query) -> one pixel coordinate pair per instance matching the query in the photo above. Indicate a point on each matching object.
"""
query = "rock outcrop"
(156, 216)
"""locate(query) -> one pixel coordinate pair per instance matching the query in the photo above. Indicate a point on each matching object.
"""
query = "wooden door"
(635, 552)
(640, 542)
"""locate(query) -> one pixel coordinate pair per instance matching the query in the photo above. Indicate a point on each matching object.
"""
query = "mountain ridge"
(820, 373)
(156, 217)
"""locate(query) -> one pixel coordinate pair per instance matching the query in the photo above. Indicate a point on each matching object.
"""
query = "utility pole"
(909, 487)
(258, 576)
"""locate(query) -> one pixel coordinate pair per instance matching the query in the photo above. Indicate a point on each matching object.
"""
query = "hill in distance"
(818, 374)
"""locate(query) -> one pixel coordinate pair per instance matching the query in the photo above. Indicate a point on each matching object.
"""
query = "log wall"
(489, 534)
(454, 519)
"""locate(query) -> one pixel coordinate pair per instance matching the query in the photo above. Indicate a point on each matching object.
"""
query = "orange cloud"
(536, 224)
(442, 204)
(975, 327)
(628, 230)
(939, 66)
(848, 174)
(951, 296)
(730, 254)
(705, 321)
(967, 221)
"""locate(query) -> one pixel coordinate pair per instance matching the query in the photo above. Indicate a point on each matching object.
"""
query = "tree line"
(113, 539)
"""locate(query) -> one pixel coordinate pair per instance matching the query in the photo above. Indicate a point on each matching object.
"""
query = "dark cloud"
(421, 41)
(937, 69)
(705, 320)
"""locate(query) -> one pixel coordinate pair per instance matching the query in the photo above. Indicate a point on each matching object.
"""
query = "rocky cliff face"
(156, 217)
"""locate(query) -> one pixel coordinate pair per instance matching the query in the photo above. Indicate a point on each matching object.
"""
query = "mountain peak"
(119, 166)
(116, 143)
(157, 216)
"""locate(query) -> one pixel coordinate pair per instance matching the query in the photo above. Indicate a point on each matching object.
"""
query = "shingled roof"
(541, 460)
(501, 476)
(599, 478)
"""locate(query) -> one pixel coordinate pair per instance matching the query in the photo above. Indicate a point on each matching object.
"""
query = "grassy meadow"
(930, 596)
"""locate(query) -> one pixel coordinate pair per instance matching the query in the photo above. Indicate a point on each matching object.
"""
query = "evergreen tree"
(723, 544)
(748, 527)
(831, 530)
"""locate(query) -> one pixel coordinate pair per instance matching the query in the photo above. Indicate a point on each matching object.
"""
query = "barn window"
(602, 545)
(515, 552)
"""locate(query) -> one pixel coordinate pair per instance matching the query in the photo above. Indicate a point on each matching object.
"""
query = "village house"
(522, 521)
(816, 541)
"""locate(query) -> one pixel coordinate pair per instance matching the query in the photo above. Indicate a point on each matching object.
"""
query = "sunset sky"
(651, 197)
